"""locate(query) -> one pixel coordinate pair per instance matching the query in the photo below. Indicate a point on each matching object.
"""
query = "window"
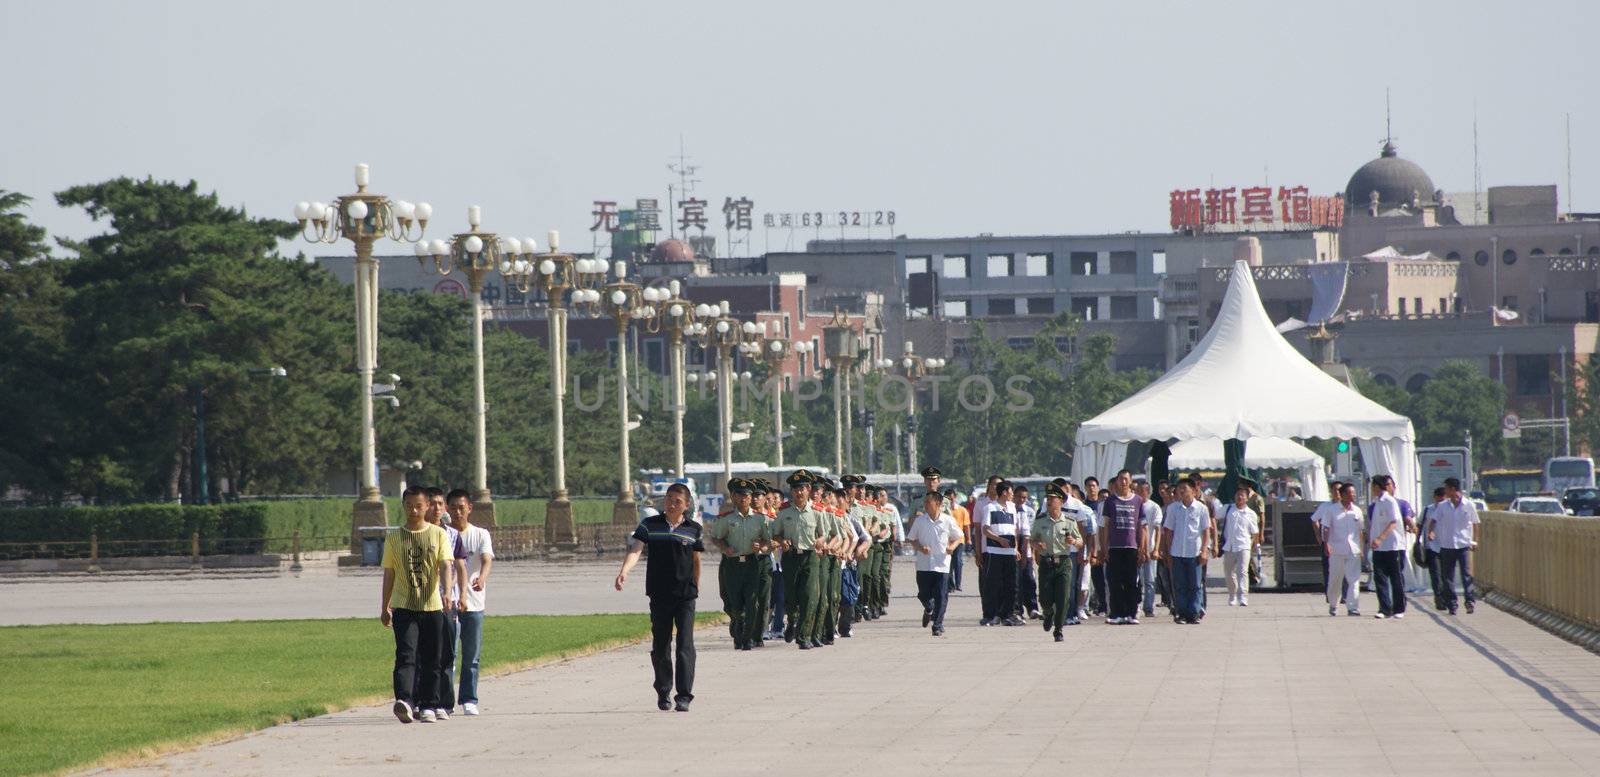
(957, 308)
(1565, 252)
(1533, 375)
(611, 347)
(1066, 345)
(1453, 256)
(1508, 257)
(1417, 307)
(1401, 307)
(1040, 265)
(1444, 305)
(1041, 306)
(1124, 307)
(786, 326)
(1019, 343)
(999, 265)
(916, 264)
(1124, 262)
(959, 347)
(955, 266)
(654, 355)
(1002, 306)
(1192, 332)
(1086, 308)
(1481, 258)
(800, 303)
(1083, 262)
(1536, 252)
(1158, 262)
(1594, 250)
(816, 354)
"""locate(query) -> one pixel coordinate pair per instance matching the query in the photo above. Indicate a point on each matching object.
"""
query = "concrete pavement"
(1277, 688)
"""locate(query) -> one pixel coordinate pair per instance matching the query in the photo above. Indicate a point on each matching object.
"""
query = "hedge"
(141, 529)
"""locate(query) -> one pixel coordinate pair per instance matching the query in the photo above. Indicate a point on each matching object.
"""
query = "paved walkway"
(1279, 688)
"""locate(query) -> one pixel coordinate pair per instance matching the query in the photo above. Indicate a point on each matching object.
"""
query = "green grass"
(78, 695)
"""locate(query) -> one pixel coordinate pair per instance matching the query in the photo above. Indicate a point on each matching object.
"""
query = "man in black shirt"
(672, 581)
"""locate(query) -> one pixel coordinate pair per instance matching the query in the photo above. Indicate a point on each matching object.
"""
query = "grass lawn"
(77, 695)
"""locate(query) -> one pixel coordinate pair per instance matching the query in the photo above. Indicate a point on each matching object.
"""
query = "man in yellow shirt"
(416, 566)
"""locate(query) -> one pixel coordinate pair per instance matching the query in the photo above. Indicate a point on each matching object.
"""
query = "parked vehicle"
(1540, 505)
(1581, 501)
(1564, 472)
(1500, 486)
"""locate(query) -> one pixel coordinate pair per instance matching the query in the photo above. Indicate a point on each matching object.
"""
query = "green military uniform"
(1055, 535)
(764, 570)
(828, 579)
(797, 526)
(886, 557)
(868, 573)
(741, 533)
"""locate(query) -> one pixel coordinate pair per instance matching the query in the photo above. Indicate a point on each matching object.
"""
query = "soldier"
(897, 535)
(1055, 539)
(853, 576)
(767, 508)
(833, 536)
(742, 535)
(797, 531)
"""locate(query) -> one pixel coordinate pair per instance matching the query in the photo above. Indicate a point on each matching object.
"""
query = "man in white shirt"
(1241, 529)
(1388, 545)
(980, 512)
(1152, 533)
(999, 537)
(1184, 532)
(1319, 523)
(1342, 539)
(934, 536)
(478, 545)
(1455, 528)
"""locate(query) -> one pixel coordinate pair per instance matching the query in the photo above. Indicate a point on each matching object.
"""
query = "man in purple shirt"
(1122, 541)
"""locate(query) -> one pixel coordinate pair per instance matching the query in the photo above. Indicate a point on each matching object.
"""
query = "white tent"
(1244, 381)
(1267, 452)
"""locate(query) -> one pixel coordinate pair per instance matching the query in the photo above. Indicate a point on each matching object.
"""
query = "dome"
(672, 251)
(1395, 180)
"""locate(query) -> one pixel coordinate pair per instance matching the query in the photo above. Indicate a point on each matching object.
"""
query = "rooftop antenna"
(1569, 163)
(1477, 171)
(1388, 125)
(686, 182)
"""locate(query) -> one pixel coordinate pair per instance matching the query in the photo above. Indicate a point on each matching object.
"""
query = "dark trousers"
(1432, 559)
(933, 590)
(449, 633)
(1451, 559)
(740, 582)
(1074, 588)
(779, 604)
(886, 575)
(957, 560)
(828, 579)
(1027, 587)
(1097, 582)
(1164, 584)
(1186, 573)
(667, 615)
(1000, 588)
(1389, 579)
(1122, 582)
(417, 638)
(763, 594)
(1055, 578)
(800, 591)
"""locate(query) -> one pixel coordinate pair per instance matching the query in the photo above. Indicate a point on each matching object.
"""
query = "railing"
(195, 547)
(1546, 561)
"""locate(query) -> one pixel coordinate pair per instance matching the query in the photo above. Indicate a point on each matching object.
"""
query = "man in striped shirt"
(998, 529)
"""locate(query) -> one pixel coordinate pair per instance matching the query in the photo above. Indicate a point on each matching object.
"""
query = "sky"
(963, 118)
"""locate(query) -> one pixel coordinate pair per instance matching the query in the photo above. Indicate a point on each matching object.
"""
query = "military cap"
(931, 471)
(800, 477)
(740, 486)
(852, 480)
(1056, 491)
(1062, 482)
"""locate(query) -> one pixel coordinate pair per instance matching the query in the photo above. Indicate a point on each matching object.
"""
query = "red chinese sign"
(1220, 210)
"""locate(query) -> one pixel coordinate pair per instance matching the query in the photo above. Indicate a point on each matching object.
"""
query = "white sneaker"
(442, 714)
(402, 710)
(469, 709)
(1398, 615)
(1380, 616)
(1233, 602)
(1243, 603)
(426, 716)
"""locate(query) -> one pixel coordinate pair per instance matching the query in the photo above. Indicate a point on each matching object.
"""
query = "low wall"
(1547, 562)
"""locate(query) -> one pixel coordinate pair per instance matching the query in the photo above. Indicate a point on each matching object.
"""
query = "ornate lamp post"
(776, 352)
(556, 273)
(678, 317)
(723, 332)
(841, 345)
(363, 218)
(913, 367)
(624, 301)
(476, 254)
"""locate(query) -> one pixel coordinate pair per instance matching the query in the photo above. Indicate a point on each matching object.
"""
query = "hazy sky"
(1021, 118)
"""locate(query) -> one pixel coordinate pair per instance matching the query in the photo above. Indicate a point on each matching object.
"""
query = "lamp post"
(723, 332)
(678, 317)
(841, 346)
(913, 367)
(363, 218)
(775, 353)
(624, 301)
(556, 273)
(476, 254)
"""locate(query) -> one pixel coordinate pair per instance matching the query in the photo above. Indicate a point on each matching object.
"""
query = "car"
(1540, 505)
(1581, 501)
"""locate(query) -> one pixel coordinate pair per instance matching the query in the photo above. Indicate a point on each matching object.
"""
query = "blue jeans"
(1074, 602)
(1186, 579)
(956, 559)
(934, 593)
(1451, 559)
(1147, 582)
(471, 647)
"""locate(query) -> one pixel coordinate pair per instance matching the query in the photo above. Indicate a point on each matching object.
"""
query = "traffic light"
(868, 418)
(1342, 464)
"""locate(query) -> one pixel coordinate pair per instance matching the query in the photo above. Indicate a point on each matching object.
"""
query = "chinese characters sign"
(840, 219)
(1254, 207)
(692, 213)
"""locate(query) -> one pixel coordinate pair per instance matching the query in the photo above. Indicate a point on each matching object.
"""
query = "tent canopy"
(1267, 452)
(1244, 381)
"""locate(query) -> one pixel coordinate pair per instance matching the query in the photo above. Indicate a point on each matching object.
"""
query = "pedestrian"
(897, 537)
(672, 582)
(453, 594)
(1342, 539)
(1184, 548)
(999, 528)
(963, 518)
(1319, 525)
(1089, 526)
(1027, 583)
(767, 508)
(934, 536)
(1430, 548)
(1094, 496)
(831, 545)
(857, 552)
(1055, 539)
(417, 562)
(980, 510)
(1388, 545)
(742, 535)
(1164, 497)
(1150, 522)
(478, 546)
(1241, 535)
(1122, 548)
(1455, 526)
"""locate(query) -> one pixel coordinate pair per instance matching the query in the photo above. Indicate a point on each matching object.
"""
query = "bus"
(1564, 472)
(1500, 486)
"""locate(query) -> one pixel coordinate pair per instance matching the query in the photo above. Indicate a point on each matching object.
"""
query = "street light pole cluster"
(913, 367)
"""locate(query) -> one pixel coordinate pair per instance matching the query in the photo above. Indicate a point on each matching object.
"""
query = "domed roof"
(1395, 180)
(673, 250)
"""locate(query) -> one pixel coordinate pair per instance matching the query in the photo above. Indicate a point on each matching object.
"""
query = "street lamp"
(363, 218)
(842, 346)
(913, 367)
(624, 301)
(776, 352)
(678, 317)
(476, 254)
(723, 332)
